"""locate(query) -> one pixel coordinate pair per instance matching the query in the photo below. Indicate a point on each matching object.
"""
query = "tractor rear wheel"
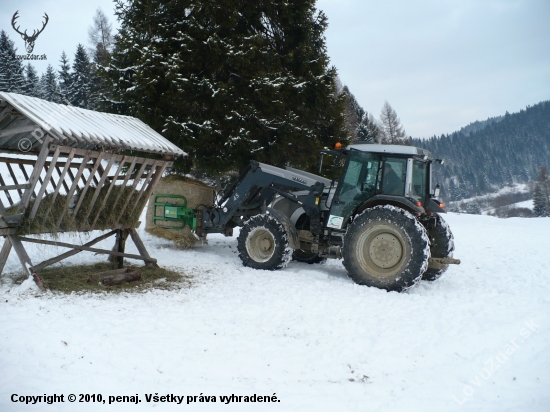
(263, 243)
(386, 247)
(442, 245)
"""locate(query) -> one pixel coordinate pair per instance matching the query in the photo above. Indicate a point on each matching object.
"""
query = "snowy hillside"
(478, 339)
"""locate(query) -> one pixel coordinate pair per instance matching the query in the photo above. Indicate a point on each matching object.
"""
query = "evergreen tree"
(473, 208)
(229, 82)
(368, 130)
(540, 202)
(80, 87)
(393, 132)
(49, 86)
(32, 81)
(65, 79)
(353, 113)
(12, 78)
(541, 195)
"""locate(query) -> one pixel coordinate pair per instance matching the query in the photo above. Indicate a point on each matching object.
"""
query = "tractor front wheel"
(386, 247)
(263, 243)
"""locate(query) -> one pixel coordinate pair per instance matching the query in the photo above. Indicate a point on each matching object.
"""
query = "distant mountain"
(485, 156)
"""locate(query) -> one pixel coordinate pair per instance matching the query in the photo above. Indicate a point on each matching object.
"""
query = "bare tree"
(392, 131)
(101, 38)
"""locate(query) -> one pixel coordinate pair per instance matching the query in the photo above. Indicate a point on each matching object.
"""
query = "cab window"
(393, 176)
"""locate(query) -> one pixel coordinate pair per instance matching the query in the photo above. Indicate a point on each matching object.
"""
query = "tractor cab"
(376, 174)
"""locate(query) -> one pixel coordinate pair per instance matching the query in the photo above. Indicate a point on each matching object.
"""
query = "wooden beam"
(104, 175)
(113, 180)
(126, 178)
(136, 181)
(35, 173)
(14, 178)
(42, 265)
(43, 188)
(87, 185)
(6, 191)
(16, 130)
(86, 248)
(140, 246)
(5, 112)
(4, 253)
(158, 174)
(14, 187)
(60, 182)
(76, 178)
(24, 258)
(148, 177)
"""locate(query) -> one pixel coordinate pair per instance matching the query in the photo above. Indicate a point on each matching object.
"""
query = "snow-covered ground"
(478, 339)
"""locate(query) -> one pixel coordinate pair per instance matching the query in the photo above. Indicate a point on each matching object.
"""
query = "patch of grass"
(72, 278)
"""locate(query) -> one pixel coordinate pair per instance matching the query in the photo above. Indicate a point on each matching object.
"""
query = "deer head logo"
(29, 40)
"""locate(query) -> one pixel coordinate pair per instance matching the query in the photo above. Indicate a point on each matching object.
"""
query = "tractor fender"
(397, 201)
(293, 240)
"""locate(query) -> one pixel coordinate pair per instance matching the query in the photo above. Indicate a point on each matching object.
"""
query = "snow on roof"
(389, 148)
(76, 127)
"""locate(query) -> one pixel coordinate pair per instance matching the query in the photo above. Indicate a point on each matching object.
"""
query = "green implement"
(174, 211)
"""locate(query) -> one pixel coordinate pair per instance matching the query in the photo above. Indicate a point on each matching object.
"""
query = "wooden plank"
(42, 265)
(35, 173)
(126, 178)
(134, 185)
(104, 175)
(87, 185)
(43, 188)
(86, 248)
(158, 174)
(113, 180)
(60, 182)
(4, 253)
(6, 191)
(76, 178)
(13, 187)
(151, 173)
(140, 246)
(24, 171)
(14, 178)
(16, 130)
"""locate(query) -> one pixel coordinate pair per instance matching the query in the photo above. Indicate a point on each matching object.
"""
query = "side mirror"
(437, 190)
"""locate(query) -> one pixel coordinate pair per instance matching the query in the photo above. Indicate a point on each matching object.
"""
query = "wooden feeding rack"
(66, 169)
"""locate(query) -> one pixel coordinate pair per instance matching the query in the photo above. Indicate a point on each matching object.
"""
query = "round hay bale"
(196, 193)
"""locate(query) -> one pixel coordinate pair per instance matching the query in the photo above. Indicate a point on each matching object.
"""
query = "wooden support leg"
(25, 260)
(120, 246)
(141, 247)
(4, 253)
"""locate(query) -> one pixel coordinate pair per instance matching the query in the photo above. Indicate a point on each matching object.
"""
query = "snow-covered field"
(478, 339)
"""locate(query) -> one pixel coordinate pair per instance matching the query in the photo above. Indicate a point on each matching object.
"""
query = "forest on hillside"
(508, 150)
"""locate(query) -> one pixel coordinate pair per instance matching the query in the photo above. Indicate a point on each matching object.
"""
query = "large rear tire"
(442, 245)
(386, 247)
(263, 243)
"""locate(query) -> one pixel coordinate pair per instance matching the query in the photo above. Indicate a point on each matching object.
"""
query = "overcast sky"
(441, 64)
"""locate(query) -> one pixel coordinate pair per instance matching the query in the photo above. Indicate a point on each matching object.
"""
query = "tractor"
(378, 213)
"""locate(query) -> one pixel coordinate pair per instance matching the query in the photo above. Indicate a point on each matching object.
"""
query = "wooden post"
(120, 245)
(141, 247)
(21, 254)
(5, 253)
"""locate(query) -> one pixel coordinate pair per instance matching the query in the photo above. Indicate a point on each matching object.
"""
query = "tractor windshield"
(357, 184)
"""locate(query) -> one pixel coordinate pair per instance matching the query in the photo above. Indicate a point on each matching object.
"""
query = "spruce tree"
(229, 81)
(80, 87)
(64, 76)
(12, 78)
(32, 81)
(368, 130)
(49, 86)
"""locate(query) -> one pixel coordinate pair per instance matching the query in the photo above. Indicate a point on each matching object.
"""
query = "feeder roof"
(20, 116)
